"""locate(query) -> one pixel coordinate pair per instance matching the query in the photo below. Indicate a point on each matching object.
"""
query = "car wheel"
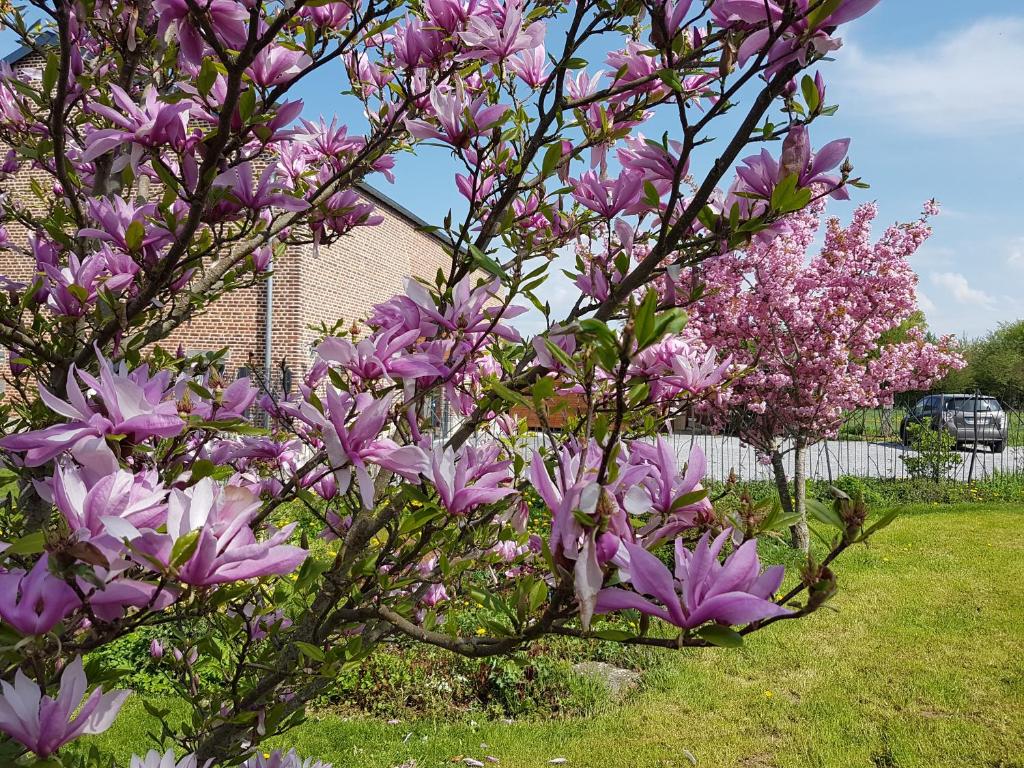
(904, 436)
(998, 446)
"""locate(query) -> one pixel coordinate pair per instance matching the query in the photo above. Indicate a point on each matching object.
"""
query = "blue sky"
(932, 94)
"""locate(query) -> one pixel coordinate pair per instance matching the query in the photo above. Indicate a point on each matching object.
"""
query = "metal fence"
(868, 445)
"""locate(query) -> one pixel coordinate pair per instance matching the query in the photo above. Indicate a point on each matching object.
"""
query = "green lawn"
(919, 665)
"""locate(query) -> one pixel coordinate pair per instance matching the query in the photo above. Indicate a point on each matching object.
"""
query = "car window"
(970, 404)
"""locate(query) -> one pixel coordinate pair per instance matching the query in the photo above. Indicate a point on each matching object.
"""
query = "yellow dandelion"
(481, 631)
(768, 694)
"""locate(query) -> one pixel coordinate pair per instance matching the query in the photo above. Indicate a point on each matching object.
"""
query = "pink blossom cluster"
(809, 339)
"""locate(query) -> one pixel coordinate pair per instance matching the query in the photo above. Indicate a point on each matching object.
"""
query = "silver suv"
(968, 418)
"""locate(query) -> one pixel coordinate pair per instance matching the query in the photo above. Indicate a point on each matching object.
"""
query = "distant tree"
(995, 366)
(812, 340)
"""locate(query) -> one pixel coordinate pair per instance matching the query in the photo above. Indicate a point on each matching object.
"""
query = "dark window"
(970, 404)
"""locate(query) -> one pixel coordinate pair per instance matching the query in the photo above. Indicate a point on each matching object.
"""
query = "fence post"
(974, 445)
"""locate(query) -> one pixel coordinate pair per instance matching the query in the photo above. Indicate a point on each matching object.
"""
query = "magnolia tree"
(169, 166)
(815, 339)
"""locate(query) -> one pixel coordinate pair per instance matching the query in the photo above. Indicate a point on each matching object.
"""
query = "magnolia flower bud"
(156, 650)
(796, 152)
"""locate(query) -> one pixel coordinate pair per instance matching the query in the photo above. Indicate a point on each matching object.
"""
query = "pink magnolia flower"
(497, 35)
(661, 490)
(87, 501)
(277, 65)
(760, 174)
(227, 549)
(471, 310)
(531, 66)
(42, 723)
(116, 215)
(228, 18)
(450, 15)
(609, 197)
(330, 15)
(701, 589)
(153, 125)
(34, 602)
(267, 193)
(279, 759)
(154, 759)
(651, 159)
(383, 354)
(72, 291)
(351, 435)
(418, 44)
(459, 117)
(131, 404)
(793, 43)
(470, 478)
(341, 212)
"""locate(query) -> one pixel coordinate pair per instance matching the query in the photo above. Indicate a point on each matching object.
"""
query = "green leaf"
(671, 78)
(643, 321)
(27, 545)
(708, 218)
(820, 14)
(50, 73)
(823, 513)
(134, 235)
(882, 522)
(184, 548)
(310, 651)
(207, 76)
(810, 91)
(486, 263)
(246, 104)
(552, 157)
(559, 354)
(505, 393)
(689, 498)
(721, 636)
(651, 196)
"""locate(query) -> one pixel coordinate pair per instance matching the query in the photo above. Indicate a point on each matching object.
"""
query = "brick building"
(309, 286)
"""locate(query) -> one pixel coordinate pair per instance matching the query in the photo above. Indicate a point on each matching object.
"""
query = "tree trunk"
(794, 501)
(801, 538)
(782, 482)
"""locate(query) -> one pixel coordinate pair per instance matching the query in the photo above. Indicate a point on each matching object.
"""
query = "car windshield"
(984, 404)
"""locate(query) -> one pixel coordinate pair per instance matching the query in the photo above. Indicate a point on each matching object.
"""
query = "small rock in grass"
(618, 681)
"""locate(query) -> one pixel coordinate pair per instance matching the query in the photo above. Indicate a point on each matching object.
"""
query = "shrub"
(936, 453)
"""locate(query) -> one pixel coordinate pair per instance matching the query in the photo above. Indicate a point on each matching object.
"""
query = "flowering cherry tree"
(169, 165)
(816, 339)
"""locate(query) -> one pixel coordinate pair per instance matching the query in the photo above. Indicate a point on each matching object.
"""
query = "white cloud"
(925, 304)
(1015, 256)
(961, 290)
(969, 81)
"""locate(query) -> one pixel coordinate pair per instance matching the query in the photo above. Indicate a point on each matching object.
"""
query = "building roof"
(404, 212)
(45, 38)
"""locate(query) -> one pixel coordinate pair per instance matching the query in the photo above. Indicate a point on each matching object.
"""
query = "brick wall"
(365, 267)
(310, 286)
